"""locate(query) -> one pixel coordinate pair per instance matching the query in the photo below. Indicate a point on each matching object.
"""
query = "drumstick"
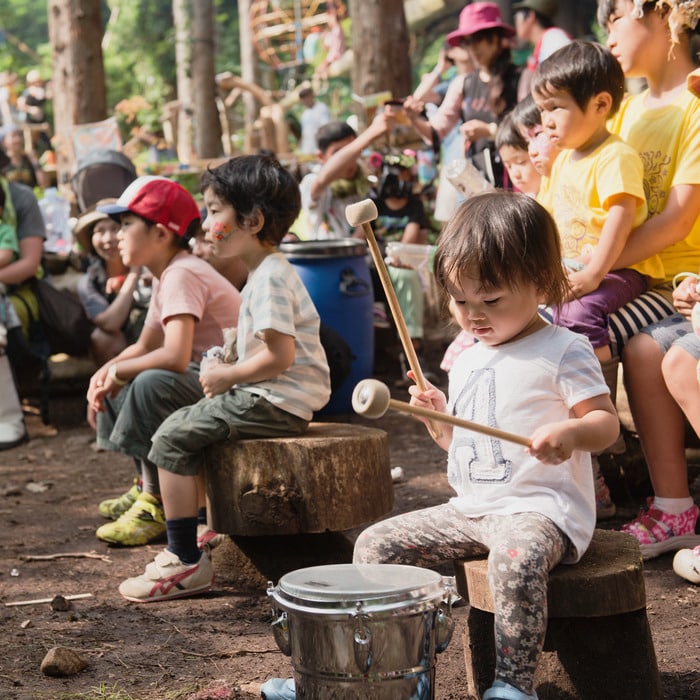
(360, 214)
(371, 398)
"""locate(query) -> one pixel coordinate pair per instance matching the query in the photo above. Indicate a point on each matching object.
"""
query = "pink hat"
(475, 18)
(157, 199)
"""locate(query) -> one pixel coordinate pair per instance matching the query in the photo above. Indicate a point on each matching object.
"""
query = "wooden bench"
(334, 477)
(598, 643)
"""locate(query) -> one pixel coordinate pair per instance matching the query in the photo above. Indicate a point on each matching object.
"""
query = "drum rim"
(323, 249)
(292, 593)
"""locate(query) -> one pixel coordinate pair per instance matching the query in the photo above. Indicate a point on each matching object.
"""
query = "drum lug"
(362, 642)
(280, 625)
(444, 627)
(280, 631)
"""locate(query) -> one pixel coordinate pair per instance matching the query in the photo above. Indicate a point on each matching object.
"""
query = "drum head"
(374, 585)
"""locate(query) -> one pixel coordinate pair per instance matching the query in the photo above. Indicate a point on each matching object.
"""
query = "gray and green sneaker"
(144, 522)
(112, 508)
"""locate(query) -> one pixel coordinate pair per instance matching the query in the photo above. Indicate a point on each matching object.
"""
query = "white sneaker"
(686, 564)
(166, 577)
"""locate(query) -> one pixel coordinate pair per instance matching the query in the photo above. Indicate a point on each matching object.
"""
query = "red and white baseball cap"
(157, 199)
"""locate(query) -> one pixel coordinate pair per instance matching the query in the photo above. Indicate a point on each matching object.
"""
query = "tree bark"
(78, 84)
(380, 47)
(207, 122)
(182, 20)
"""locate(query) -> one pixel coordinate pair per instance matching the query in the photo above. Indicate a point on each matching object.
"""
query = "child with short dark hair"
(529, 508)
(279, 379)
(135, 391)
(597, 191)
(340, 181)
(513, 150)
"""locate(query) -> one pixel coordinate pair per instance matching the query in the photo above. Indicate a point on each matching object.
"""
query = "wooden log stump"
(333, 478)
(598, 643)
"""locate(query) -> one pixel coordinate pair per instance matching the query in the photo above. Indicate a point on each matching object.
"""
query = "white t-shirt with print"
(519, 387)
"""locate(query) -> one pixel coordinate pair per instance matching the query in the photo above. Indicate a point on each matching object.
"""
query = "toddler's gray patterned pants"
(522, 549)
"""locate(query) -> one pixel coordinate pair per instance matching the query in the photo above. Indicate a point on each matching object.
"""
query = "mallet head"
(361, 212)
(371, 398)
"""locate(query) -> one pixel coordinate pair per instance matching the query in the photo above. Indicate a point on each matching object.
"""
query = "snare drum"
(367, 631)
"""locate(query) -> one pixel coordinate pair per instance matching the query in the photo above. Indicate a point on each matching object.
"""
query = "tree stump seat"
(598, 643)
(334, 477)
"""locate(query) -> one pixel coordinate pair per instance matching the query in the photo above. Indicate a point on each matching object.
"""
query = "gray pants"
(129, 421)
(522, 550)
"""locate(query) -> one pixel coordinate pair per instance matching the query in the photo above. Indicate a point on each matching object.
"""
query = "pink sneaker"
(659, 532)
(686, 564)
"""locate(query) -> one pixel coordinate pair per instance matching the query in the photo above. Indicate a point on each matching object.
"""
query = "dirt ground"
(219, 645)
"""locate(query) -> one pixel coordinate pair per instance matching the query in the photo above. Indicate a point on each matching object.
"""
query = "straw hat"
(82, 232)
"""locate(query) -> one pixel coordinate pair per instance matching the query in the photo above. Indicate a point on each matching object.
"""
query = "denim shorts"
(675, 330)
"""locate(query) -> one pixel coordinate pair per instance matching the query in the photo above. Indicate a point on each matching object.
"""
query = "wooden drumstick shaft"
(459, 422)
(392, 299)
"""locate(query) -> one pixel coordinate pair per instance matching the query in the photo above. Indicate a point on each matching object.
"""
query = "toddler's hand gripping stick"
(372, 399)
(360, 214)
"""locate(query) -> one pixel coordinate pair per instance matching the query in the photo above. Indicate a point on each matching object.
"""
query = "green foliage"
(24, 36)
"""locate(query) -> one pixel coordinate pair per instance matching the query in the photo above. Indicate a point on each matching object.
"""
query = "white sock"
(673, 506)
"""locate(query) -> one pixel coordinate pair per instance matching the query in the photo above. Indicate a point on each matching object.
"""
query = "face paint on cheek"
(221, 231)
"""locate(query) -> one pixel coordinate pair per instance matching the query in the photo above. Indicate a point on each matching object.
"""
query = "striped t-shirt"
(275, 298)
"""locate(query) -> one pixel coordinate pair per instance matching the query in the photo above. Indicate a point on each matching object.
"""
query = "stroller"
(101, 173)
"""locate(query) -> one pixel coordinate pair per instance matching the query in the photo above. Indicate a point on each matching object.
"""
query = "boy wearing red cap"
(190, 305)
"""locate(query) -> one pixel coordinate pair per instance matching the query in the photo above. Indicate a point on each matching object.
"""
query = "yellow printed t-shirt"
(580, 194)
(668, 141)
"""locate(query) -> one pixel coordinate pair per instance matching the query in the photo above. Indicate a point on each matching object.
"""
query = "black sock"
(202, 516)
(182, 539)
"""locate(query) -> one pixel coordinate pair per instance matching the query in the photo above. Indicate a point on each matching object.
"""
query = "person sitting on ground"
(534, 24)
(107, 288)
(652, 40)
(131, 394)
(22, 167)
(278, 380)
(340, 181)
(529, 508)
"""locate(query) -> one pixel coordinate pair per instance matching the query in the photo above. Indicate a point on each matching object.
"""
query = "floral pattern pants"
(522, 549)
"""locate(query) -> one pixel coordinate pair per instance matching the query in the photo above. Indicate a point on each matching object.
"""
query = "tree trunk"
(206, 115)
(380, 47)
(182, 20)
(247, 73)
(78, 83)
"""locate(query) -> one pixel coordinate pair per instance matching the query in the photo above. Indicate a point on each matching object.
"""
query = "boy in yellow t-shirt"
(597, 192)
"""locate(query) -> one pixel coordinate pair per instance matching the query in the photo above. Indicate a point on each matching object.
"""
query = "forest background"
(139, 46)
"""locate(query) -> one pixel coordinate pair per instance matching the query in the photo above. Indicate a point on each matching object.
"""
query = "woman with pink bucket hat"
(484, 96)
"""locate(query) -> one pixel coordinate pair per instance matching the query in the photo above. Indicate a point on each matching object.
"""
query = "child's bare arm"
(595, 425)
(616, 230)
(671, 225)
(274, 357)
